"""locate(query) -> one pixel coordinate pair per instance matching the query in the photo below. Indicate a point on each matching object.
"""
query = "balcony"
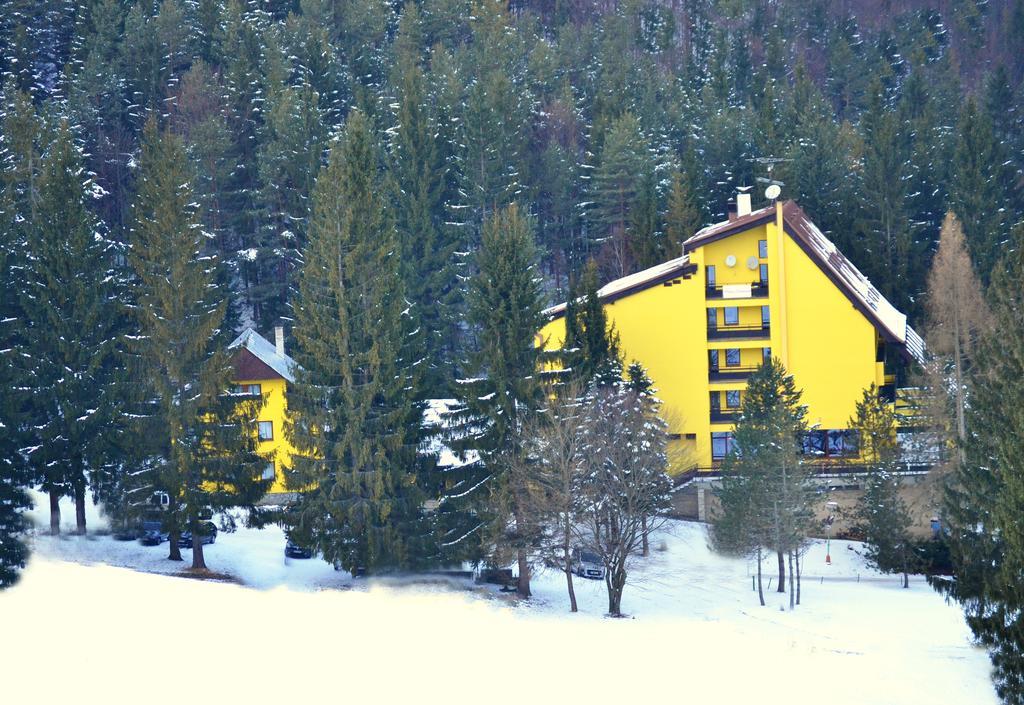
(723, 416)
(730, 374)
(753, 290)
(759, 332)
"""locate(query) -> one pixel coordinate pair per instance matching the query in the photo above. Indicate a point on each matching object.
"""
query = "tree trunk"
(646, 542)
(760, 590)
(54, 513)
(523, 586)
(782, 573)
(792, 580)
(566, 548)
(198, 559)
(616, 582)
(175, 551)
(798, 577)
(80, 508)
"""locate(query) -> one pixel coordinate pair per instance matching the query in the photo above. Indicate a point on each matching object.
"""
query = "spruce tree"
(591, 343)
(766, 499)
(882, 515)
(985, 496)
(70, 315)
(684, 216)
(202, 440)
(426, 243)
(351, 415)
(979, 188)
(505, 307)
(14, 475)
(618, 193)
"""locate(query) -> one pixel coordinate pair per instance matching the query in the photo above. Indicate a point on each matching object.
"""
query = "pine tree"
(766, 500)
(505, 312)
(351, 414)
(979, 188)
(986, 495)
(292, 143)
(591, 344)
(14, 475)
(618, 194)
(70, 315)
(885, 222)
(882, 515)
(427, 246)
(202, 439)
(684, 216)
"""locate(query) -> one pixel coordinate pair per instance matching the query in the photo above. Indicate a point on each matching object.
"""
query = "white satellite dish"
(752, 263)
(730, 261)
(772, 192)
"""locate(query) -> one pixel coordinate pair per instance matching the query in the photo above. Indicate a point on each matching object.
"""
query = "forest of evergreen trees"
(408, 184)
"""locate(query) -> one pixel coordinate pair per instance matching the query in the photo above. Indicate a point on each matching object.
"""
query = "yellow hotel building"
(262, 368)
(764, 283)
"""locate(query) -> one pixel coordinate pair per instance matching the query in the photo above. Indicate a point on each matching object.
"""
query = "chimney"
(731, 209)
(743, 201)
(279, 339)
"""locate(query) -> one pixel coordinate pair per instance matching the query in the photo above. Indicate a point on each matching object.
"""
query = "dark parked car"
(207, 535)
(294, 550)
(152, 533)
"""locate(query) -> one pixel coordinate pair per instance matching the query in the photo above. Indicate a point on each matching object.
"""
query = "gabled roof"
(658, 274)
(890, 322)
(266, 353)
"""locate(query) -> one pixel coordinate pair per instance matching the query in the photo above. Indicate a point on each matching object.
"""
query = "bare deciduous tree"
(624, 489)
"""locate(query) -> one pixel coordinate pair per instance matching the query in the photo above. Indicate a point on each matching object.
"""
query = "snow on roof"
(265, 352)
(633, 282)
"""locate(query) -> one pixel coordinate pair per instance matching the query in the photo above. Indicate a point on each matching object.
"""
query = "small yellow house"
(765, 283)
(262, 368)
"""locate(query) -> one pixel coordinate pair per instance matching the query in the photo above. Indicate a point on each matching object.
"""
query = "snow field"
(696, 632)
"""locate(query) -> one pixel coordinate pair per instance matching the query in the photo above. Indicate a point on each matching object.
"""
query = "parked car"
(125, 532)
(207, 535)
(587, 564)
(294, 550)
(152, 533)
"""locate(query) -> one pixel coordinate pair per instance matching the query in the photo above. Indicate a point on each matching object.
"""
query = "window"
(732, 399)
(713, 359)
(732, 315)
(813, 443)
(842, 443)
(766, 354)
(247, 389)
(766, 316)
(716, 402)
(763, 269)
(266, 430)
(732, 357)
(721, 444)
(711, 276)
(268, 472)
(762, 249)
(712, 318)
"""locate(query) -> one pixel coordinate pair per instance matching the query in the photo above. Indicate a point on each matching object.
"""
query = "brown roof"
(248, 366)
(632, 283)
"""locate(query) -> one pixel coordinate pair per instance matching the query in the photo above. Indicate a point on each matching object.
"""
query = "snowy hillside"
(697, 630)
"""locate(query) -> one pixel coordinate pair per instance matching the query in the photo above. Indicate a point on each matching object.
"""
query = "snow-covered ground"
(93, 614)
